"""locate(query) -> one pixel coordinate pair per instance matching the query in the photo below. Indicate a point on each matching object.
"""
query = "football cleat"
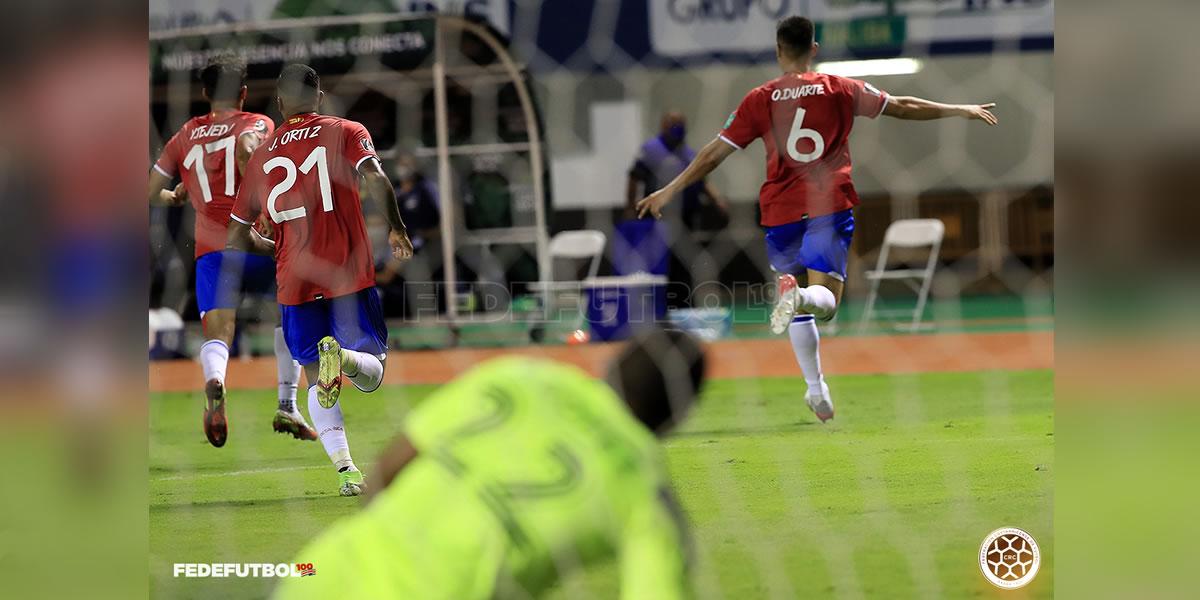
(352, 483)
(216, 427)
(329, 371)
(785, 304)
(820, 402)
(294, 424)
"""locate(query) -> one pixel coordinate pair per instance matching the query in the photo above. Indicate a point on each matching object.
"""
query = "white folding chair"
(583, 244)
(579, 245)
(907, 234)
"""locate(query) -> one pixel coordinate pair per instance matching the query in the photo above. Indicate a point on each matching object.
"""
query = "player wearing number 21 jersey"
(804, 120)
(306, 179)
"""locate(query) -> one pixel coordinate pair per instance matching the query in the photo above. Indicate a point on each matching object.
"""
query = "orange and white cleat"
(216, 427)
(787, 298)
(820, 402)
(294, 424)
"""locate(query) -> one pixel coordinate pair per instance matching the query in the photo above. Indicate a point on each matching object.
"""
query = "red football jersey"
(804, 120)
(203, 151)
(305, 178)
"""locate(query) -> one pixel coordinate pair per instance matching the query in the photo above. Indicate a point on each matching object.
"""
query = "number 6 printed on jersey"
(799, 132)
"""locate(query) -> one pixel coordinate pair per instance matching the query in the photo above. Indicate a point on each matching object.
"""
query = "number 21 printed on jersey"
(315, 159)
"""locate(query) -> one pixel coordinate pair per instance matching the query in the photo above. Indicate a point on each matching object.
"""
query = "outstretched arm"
(377, 186)
(918, 109)
(709, 158)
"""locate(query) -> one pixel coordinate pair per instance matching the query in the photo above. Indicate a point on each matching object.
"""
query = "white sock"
(818, 300)
(214, 358)
(806, 343)
(364, 370)
(331, 429)
(289, 373)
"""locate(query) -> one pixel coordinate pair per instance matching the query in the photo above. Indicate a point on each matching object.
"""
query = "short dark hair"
(658, 373)
(223, 77)
(298, 83)
(795, 34)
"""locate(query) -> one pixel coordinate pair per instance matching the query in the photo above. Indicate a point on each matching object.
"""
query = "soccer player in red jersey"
(804, 119)
(306, 179)
(209, 154)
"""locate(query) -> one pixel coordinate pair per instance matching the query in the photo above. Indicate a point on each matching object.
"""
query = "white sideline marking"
(245, 472)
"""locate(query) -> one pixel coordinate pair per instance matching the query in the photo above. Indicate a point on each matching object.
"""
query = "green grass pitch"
(892, 499)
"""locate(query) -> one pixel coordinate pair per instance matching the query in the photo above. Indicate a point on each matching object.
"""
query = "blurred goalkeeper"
(804, 119)
(517, 473)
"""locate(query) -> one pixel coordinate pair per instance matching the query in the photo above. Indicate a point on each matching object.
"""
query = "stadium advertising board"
(680, 28)
(331, 50)
(176, 14)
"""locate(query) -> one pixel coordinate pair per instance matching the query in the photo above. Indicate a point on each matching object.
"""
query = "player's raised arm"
(708, 159)
(911, 108)
(375, 184)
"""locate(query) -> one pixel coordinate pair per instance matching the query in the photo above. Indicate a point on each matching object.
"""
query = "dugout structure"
(441, 88)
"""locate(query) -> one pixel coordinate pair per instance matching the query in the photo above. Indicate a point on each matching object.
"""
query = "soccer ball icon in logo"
(1009, 558)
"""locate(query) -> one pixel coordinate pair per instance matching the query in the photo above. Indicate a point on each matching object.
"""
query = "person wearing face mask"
(653, 247)
(661, 159)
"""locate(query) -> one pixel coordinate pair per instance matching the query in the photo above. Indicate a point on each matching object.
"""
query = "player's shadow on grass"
(794, 427)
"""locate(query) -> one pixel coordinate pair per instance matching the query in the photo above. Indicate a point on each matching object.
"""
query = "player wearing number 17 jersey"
(305, 178)
(209, 154)
(804, 120)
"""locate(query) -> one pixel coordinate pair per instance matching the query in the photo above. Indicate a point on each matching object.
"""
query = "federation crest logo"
(1009, 558)
(260, 126)
(366, 144)
(729, 121)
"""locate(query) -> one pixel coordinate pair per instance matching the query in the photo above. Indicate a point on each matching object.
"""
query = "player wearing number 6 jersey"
(804, 119)
(305, 178)
(209, 154)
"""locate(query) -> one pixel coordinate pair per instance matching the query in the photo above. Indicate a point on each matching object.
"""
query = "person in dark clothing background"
(417, 198)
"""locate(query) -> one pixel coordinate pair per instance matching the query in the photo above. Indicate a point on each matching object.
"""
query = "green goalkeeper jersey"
(526, 470)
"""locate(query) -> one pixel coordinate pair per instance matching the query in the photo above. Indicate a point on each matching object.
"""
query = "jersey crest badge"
(729, 121)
